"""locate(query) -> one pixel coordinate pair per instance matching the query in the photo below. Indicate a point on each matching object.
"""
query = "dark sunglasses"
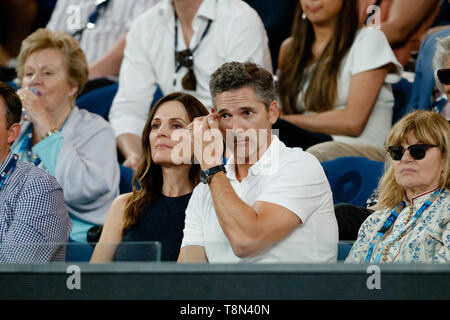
(417, 151)
(444, 76)
(186, 59)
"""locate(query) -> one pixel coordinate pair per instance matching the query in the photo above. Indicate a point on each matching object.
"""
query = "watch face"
(204, 176)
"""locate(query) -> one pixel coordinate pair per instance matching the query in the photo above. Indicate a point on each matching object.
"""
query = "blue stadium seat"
(126, 179)
(99, 100)
(343, 250)
(353, 179)
(423, 85)
(418, 95)
(402, 91)
(78, 251)
(158, 95)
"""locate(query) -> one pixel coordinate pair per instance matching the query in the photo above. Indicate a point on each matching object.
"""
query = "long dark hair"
(322, 90)
(148, 173)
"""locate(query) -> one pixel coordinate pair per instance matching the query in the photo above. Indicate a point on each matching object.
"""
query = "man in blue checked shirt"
(34, 222)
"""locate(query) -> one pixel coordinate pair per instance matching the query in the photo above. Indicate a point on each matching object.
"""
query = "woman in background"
(334, 77)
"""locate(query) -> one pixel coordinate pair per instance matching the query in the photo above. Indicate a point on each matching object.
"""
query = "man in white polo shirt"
(269, 203)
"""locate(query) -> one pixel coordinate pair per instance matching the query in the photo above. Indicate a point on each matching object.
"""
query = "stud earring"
(304, 16)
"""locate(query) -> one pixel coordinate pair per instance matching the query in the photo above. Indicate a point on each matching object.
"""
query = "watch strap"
(212, 171)
(216, 169)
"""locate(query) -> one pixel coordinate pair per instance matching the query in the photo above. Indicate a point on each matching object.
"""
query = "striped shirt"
(71, 15)
(33, 216)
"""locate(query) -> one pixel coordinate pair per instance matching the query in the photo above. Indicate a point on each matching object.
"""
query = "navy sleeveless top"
(163, 221)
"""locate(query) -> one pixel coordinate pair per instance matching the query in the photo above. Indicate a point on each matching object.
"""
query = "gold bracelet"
(49, 133)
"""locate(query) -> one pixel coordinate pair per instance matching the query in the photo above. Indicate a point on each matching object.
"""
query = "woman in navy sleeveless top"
(166, 177)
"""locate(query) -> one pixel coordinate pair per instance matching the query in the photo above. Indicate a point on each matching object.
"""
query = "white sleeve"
(247, 40)
(300, 186)
(371, 50)
(59, 16)
(137, 85)
(139, 7)
(193, 222)
(87, 167)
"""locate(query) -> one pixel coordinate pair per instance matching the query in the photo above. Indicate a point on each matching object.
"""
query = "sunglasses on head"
(417, 151)
(444, 76)
(186, 59)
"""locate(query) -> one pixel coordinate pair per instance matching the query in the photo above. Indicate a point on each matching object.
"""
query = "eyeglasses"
(444, 76)
(186, 59)
(417, 151)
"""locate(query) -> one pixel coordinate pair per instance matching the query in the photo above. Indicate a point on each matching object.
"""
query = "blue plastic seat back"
(402, 91)
(126, 179)
(343, 250)
(99, 100)
(353, 179)
(78, 251)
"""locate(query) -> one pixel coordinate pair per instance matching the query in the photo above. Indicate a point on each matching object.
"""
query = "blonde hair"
(77, 68)
(428, 127)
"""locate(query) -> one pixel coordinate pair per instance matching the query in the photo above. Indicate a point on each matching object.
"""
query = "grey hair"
(237, 75)
(440, 59)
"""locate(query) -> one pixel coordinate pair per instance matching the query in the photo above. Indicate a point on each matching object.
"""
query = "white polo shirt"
(288, 177)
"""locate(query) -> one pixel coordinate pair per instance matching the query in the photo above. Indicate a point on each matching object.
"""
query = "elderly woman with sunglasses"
(411, 223)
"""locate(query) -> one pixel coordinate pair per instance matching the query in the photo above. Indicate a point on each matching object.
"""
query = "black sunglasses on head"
(444, 76)
(417, 151)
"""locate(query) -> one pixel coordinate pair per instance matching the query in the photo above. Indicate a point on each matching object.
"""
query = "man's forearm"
(404, 19)
(236, 218)
(129, 144)
(109, 64)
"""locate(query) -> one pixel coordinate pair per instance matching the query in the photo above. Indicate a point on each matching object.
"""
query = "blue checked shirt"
(34, 222)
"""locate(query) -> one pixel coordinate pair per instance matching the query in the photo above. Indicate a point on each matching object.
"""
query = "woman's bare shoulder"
(284, 51)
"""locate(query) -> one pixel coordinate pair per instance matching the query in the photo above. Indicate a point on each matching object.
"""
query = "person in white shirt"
(211, 31)
(103, 43)
(269, 203)
(335, 76)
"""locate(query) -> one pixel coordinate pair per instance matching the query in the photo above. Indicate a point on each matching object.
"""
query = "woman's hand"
(35, 112)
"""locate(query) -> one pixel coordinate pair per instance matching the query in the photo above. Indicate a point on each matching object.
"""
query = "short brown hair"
(77, 69)
(237, 75)
(13, 105)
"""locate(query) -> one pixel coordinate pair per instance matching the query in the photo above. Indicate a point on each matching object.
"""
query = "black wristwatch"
(206, 174)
